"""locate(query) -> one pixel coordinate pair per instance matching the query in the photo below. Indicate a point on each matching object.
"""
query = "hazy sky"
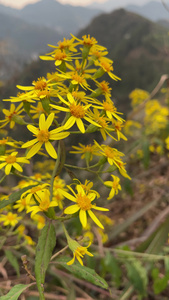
(21, 3)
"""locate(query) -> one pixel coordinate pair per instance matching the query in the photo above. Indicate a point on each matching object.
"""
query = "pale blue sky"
(21, 3)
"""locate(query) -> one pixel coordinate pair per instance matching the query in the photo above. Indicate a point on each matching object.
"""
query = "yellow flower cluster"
(72, 101)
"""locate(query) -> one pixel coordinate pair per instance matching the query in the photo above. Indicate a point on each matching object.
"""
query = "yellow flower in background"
(9, 219)
(14, 161)
(156, 116)
(29, 240)
(30, 193)
(43, 136)
(83, 205)
(40, 220)
(167, 142)
(43, 199)
(59, 185)
(78, 253)
(131, 126)
(137, 96)
(21, 204)
(5, 142)
(21, 97)
(86, 151)
(37, 111)
(11, 114)
(114, 185)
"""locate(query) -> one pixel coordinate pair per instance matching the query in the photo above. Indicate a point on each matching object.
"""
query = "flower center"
(104, 86)
(40, 84)
(89, 41)
(77, 111)
(43, 136)
(59, 55)
(109, 106)
(10, 159)
(11, 115)
(110, 152)
(78, 78)
(84, 202)
(11, 217)
(106, 66)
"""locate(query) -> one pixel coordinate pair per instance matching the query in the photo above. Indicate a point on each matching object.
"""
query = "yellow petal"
(50, 149)
(8, 169)
(83, 218)
(80, 125)
(95, 219)
(29, 143)
(18, 167)
(42, 123)
(71, 209)
(49, 120)
(34, 150)
(33, 129)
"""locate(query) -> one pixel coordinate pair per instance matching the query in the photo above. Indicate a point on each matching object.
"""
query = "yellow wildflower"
(9, 219)
(83, 205)
(43, 199)
(77, 111)
(114, 185)
(44, 136)
(11, 115)
(87, 151)
(12, 161)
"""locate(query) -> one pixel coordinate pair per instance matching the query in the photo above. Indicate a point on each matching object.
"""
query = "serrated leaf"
(16, 291)
(137, 275)
(44, 249)
(14, 196)
(83, 272)
(13, 261)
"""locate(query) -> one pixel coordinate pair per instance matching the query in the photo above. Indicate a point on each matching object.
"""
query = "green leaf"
(137, 275)
(160, 285)
(15, 292)
(44, 249)
(83, 272)
(159, 239)
(14, 196)
(13, 261)
(111, 266)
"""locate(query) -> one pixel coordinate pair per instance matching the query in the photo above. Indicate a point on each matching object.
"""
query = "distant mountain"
(164, 23)
(21, 42)
(138, 47)
(108, 5)
(153, 10)
(65, 19)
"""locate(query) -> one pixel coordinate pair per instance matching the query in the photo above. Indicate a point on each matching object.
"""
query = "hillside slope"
(138, 47)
